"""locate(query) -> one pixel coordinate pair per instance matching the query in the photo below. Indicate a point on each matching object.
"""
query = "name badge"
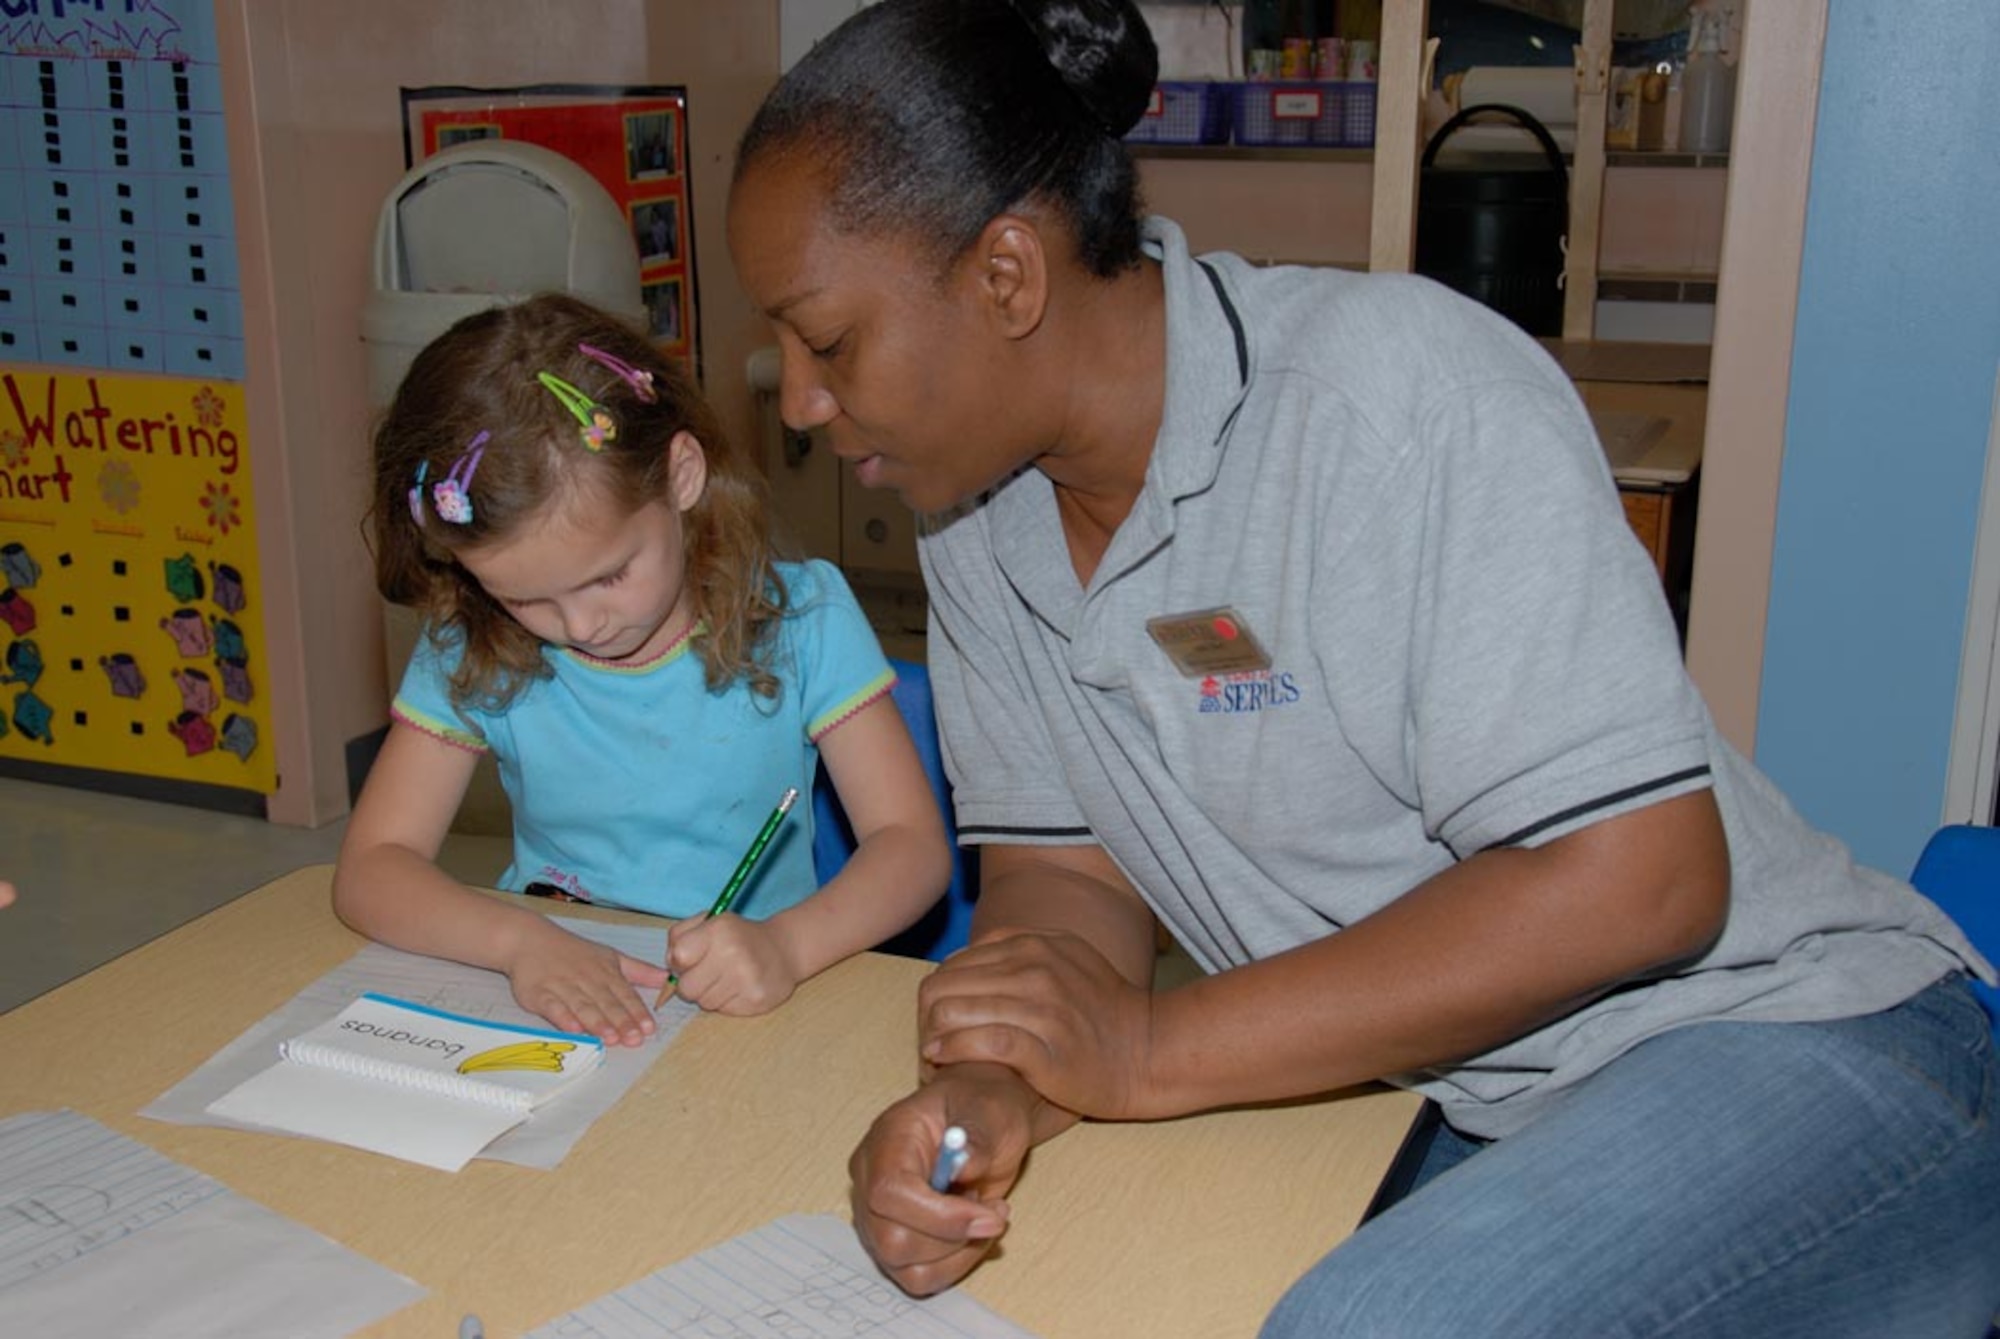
(1208, 641)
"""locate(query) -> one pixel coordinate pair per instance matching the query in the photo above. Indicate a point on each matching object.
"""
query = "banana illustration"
(542, 1056)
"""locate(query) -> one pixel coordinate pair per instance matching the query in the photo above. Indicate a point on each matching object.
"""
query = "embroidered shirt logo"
(1255, 690)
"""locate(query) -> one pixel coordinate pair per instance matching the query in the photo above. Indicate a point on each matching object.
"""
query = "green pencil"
(748, 863)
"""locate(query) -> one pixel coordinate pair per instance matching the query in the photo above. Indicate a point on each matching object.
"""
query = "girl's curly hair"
(480, 376)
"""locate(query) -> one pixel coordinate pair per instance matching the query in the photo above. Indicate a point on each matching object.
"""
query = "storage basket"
(1357, 114)
(1294, 113)
(1185, 112)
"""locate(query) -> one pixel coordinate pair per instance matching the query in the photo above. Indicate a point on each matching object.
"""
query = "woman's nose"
(803, 401)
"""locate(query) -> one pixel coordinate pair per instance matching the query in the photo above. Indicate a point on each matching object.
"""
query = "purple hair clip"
(451, 495)
(640, 382)
(597, 426)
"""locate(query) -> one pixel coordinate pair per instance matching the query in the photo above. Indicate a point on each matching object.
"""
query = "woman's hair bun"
(1104, 52)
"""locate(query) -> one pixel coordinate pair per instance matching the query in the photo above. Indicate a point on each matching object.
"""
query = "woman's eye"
(827, 350)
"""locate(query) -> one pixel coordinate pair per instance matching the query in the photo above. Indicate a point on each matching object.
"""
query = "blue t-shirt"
(635, 786)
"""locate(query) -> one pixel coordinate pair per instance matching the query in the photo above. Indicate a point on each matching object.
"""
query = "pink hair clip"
(451, 495)
(640, 382)
(598, 427)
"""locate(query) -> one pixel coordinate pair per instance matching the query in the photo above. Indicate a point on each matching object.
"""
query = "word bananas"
(544, 1056)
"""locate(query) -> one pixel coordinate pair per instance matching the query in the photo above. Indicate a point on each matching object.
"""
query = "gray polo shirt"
(1398, 496)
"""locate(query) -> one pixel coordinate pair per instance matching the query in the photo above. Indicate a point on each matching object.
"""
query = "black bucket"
(1493, 228)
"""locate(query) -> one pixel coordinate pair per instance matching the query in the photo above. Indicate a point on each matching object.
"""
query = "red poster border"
(632, 139)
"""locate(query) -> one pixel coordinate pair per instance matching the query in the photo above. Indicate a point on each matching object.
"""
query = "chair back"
(946, 925)
(1960, 871)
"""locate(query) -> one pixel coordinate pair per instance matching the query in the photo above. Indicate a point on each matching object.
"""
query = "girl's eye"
(617, 576)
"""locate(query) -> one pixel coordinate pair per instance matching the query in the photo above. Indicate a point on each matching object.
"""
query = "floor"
(102, 874)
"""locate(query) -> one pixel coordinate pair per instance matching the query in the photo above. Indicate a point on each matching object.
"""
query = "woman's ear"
(1013, 273)
(687, 470)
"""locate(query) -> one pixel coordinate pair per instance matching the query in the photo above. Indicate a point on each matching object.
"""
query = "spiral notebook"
(411, 1081)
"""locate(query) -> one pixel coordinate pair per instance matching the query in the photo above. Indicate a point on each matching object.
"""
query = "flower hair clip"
(451, 495)
(598, 428)
(641, 382)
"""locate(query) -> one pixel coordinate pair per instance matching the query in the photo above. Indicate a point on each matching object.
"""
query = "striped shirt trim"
(1601, 802)
(438, 730)
(673, 650)
(874, 691)
(997, 830)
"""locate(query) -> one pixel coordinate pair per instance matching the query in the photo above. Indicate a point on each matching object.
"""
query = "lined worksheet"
(455, 988)
(100, 1235)
(804, 1276)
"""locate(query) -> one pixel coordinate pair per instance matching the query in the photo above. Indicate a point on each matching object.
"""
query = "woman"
(1296, 609)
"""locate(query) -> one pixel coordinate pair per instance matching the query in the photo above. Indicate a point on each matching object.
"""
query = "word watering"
(96, 426)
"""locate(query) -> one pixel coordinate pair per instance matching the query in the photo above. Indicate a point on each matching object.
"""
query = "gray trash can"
(482, 224)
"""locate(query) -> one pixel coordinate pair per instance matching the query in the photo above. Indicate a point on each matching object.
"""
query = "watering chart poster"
(131, 622)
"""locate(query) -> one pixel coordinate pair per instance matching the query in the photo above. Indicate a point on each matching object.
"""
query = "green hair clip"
(597, 426)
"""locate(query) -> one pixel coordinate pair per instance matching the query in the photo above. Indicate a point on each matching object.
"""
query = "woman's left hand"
(729, 965)
(1053, 1009)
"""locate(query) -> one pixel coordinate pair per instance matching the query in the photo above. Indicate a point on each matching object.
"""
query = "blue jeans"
(1729, 1179)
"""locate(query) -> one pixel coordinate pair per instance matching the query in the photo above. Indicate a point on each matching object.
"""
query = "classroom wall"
(1898, 340)
(317, 143)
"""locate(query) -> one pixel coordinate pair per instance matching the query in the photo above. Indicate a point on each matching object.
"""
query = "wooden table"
(1190, 1227)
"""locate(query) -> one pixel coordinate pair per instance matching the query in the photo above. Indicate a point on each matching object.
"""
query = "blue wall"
(1891, 402)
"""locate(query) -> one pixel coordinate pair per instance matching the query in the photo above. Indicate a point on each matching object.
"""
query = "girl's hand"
(925, 1240)
(732, 966)
(580, 986)
(1051, 1008)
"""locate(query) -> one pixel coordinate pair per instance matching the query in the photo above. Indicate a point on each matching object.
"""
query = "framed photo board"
(634, 140)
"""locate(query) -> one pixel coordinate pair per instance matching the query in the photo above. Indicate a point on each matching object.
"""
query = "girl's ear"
(687, 470)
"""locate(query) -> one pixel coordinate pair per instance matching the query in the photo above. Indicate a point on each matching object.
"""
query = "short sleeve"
(841, 664)
(423, 701)
(1544, 688)
(1009, 783)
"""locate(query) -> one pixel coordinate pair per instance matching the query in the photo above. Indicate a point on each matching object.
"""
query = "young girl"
(604, 613)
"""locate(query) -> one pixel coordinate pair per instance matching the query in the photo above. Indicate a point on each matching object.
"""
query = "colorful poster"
(633, 140)
(131, 623)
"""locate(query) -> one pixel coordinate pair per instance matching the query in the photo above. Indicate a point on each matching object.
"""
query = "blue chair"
(1960, 871)
(946, 925)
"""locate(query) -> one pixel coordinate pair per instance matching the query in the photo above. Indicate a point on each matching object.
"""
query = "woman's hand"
(580, 986)
(1051, 1008)
(924, 1239)
(732, 966)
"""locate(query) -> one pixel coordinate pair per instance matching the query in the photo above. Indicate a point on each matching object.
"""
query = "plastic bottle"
(1708, 88)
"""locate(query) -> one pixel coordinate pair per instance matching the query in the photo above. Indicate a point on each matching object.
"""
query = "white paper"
(418, 1127)
(378, 1076)
(542, 1142)
(803, 1276)
(100, 1235)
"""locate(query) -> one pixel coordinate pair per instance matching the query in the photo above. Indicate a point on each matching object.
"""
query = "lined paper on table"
(804, 1276)
(101, 1235)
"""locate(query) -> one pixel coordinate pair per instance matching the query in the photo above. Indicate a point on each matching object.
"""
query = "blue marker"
(951, 1157)
(470, 1328)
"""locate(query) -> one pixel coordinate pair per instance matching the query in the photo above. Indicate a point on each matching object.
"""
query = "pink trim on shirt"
(846, 713)
(444, 734)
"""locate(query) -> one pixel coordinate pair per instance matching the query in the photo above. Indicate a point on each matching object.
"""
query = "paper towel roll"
(1545, 92)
